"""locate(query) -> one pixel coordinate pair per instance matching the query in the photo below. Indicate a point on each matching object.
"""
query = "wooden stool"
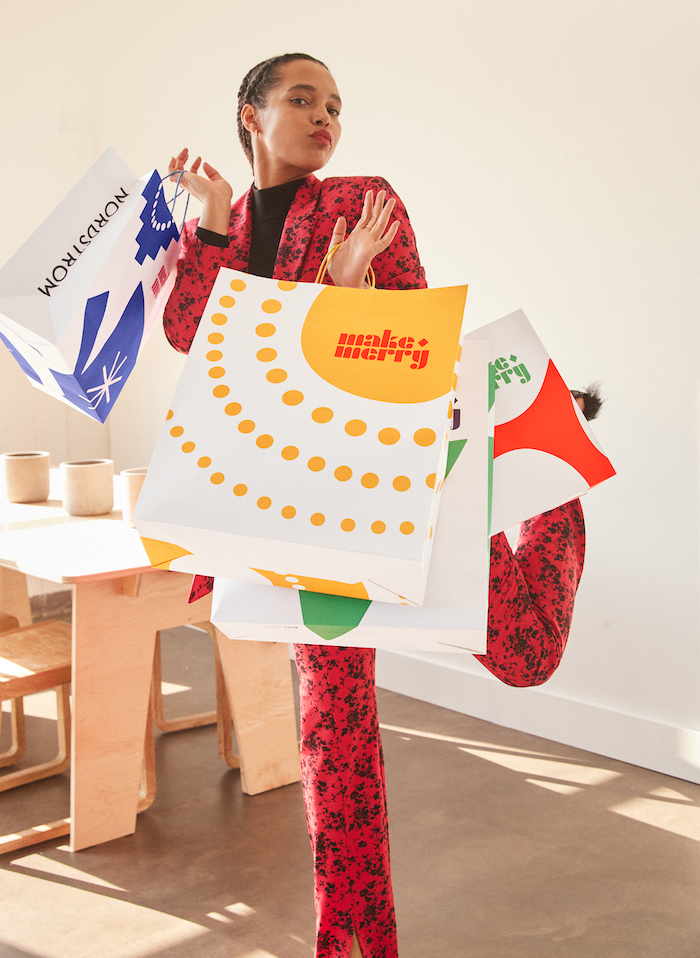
(35, 658)
(18, 747)
(222, 716)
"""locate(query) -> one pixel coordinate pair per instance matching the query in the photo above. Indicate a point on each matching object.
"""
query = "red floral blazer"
(531, 594)
(305, 240)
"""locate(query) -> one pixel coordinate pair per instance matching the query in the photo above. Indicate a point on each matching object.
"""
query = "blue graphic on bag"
(24, 363)
(102, 381)
(159, 229)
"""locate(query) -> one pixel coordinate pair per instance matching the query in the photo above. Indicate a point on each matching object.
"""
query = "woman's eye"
(333, 111)
(298, 99)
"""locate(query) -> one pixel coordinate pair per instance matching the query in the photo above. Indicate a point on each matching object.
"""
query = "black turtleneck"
(270, 208)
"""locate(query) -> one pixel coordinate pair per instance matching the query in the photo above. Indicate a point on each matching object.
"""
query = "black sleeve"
(211, 238)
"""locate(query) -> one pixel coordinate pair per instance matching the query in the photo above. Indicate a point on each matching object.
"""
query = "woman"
(288, 121)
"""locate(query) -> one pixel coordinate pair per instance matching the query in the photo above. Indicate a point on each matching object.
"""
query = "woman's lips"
(322, 136)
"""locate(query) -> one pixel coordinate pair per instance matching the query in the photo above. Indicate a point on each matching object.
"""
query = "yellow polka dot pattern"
(322, 414)
(388, 436)
(424, 437)
(316, 464)
(355, 427)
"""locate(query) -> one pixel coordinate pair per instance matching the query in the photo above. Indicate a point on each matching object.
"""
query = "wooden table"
(119, 603)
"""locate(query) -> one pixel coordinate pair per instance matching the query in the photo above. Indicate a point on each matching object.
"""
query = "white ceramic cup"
(132, 480)
(26, 476)
(88, 487)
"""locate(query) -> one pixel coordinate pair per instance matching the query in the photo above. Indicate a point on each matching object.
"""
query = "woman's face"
(298, 129)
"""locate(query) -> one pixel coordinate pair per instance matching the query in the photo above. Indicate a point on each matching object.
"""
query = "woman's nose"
(323, 118)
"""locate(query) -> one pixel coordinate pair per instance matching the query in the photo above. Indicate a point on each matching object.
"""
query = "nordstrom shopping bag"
(308, 438)
(79, 298)
(453, 616)
(544, 451)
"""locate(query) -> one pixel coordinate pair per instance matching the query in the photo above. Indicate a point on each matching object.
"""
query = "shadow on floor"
(504, 845)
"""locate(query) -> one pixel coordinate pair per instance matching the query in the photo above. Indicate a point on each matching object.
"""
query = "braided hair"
(255, 87)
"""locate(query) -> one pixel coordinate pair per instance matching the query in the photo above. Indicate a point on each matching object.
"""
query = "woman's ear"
(249, 118)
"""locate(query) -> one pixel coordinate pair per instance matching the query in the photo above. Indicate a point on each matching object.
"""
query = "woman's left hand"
(348, 266)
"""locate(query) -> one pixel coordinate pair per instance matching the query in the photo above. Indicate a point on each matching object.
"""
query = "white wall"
(548, 153)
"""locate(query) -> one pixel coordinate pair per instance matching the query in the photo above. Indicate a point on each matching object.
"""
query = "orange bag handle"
(370, 279)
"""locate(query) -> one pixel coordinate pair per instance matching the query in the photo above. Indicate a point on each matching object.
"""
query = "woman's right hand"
(212, 191)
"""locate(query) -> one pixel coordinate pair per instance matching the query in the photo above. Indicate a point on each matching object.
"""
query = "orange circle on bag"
(397, 348)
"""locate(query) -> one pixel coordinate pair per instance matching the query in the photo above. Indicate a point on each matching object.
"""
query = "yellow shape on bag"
(161, 554)
(303, 583)
(395, 352)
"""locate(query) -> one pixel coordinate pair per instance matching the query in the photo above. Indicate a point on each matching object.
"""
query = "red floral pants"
(531, 599)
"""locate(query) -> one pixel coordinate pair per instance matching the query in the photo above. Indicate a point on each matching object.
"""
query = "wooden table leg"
(114, 627)
(259, 682)
(14, 598)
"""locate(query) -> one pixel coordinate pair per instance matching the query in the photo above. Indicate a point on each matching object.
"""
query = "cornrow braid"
(255, 87)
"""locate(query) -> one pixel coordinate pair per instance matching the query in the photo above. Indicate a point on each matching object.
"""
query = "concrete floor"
(503, 846)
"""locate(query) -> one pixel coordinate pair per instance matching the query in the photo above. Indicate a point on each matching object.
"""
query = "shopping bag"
(453, 616)
(544, 450)
(79, 298)
(307, 438)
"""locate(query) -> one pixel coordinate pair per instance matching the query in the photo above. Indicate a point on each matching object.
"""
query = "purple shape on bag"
(26, 368)
(159, 229)
(94, 389)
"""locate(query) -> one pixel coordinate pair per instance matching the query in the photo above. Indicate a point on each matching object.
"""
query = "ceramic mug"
(88, 487)
(26, 476)
(132, 480)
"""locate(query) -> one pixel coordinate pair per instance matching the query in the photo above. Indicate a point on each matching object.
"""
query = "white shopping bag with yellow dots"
(454, 614)
(307, 440)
